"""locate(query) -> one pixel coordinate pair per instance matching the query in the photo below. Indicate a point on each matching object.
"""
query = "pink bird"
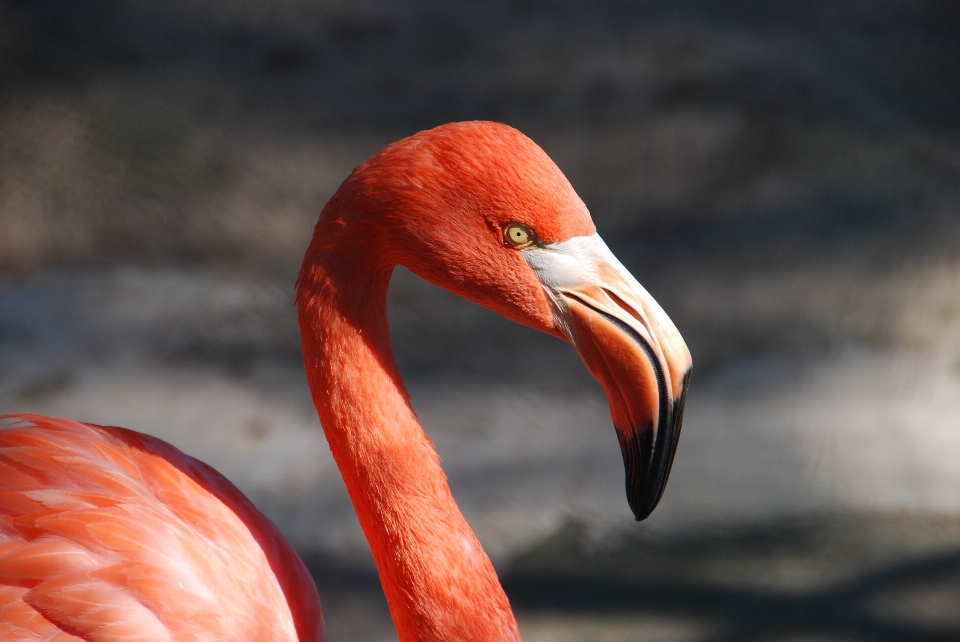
(109, 535)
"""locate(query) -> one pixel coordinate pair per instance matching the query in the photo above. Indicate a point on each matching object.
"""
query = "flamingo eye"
(518, 235)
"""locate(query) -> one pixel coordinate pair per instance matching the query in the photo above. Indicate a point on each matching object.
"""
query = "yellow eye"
(518, 235)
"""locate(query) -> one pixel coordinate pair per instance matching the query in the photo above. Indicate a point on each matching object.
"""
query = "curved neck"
(439, 583)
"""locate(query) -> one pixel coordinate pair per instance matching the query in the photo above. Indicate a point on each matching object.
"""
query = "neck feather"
(439, 583)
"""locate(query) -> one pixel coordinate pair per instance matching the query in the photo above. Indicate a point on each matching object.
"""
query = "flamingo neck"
(438, 581)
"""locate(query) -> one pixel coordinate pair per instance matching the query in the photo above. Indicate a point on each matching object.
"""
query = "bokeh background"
(784, 177)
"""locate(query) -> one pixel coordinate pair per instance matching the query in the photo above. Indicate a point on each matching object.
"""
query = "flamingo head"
(479, 209)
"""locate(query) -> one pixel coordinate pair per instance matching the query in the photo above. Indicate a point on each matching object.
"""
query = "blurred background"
(784, 177)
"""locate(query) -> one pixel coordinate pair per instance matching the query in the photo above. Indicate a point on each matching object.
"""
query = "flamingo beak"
(630, 346)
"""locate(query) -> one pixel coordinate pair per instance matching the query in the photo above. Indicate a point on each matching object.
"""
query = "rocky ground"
(783, 177)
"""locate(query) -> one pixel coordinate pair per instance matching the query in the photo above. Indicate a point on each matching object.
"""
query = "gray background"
(784, 177)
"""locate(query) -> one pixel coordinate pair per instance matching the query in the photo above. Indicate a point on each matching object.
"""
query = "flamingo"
(106, 534)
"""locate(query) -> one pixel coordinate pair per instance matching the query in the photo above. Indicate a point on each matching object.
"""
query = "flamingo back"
(107, 534)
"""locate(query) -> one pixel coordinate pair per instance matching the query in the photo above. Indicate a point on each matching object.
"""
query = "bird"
(106, 534)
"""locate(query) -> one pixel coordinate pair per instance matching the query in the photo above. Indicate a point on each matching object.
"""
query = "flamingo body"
(107, 534)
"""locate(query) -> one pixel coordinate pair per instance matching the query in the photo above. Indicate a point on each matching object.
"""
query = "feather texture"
(107, 534)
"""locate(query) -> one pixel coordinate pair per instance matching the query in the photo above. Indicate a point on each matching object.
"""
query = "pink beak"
(631, 347)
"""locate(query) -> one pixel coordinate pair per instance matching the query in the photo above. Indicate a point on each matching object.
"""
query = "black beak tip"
(644, 510)
(648, 456)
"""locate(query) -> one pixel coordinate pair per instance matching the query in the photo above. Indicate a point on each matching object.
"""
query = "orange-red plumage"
(109, 535)
(106, 534)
